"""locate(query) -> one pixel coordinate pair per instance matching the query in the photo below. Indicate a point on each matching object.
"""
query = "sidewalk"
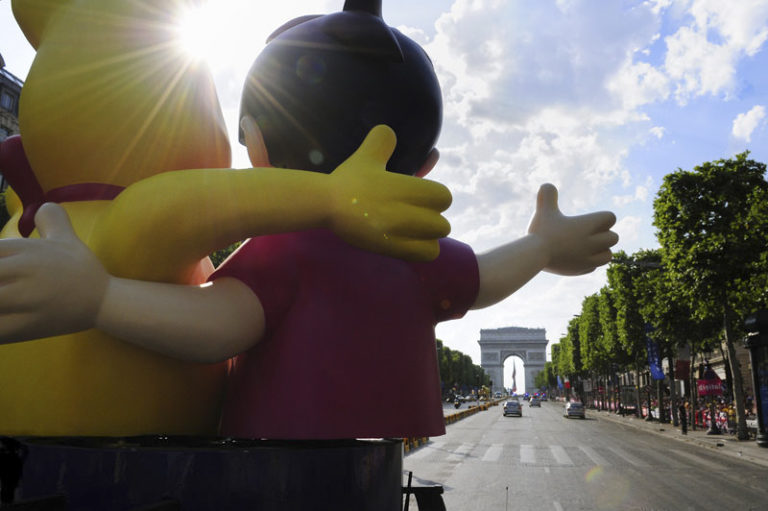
(724, 444)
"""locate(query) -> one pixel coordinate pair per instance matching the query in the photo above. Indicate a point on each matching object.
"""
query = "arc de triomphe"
(498, 344)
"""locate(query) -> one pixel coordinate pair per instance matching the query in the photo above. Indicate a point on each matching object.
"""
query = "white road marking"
(592, 454)
(557, 505)
(494, 452)
(461, 453)
(527, 454)
(558, 451)
(424, 451)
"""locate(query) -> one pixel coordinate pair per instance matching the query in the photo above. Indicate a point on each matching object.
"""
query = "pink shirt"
(349, 350)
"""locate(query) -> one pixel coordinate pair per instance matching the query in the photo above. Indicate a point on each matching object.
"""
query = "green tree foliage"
(546, 378)
(607, 312)
(219, 256)
(712, 224)
(457, 369)
(623, 274)
(593, 355)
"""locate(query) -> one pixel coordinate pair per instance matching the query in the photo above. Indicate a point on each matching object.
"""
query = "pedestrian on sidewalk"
(683, 418)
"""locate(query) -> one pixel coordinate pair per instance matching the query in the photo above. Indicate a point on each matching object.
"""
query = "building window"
(6, 101)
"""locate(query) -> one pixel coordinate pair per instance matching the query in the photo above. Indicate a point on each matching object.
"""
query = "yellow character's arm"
(170, 221)
(14, 208)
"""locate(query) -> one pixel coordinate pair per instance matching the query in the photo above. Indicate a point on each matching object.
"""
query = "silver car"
(513, 408)
(573, 409)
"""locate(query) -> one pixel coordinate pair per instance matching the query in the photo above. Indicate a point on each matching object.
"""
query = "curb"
(412, 443)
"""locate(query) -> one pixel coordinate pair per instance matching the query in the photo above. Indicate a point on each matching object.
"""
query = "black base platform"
(203, 474)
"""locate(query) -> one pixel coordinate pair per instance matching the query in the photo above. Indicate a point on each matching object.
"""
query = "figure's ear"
(254, 142)
(33, 15)
(429, 163)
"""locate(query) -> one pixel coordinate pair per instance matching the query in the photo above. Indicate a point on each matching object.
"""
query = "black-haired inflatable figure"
(340, 321)
(323, 82)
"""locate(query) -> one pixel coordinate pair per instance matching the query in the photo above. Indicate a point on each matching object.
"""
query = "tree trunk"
(694, 391)
(738, 388)
(672, 390)
(727, 366)
(638, 403)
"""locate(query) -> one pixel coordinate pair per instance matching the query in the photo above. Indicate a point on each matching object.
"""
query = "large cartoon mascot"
(111, 115)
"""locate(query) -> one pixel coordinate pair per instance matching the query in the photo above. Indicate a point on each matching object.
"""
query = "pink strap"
(14, 165)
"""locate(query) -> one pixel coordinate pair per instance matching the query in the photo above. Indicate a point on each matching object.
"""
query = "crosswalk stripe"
(493, 453)
(460, 453)
(621, 453)
(558, 451)
(594, 456)
(527, 454)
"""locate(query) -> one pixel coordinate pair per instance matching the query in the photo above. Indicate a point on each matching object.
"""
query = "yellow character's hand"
(385, 212)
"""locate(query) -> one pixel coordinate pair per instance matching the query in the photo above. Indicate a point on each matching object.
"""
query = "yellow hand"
(385, 212)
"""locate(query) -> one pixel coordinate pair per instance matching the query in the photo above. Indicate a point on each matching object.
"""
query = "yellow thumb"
(378, 145)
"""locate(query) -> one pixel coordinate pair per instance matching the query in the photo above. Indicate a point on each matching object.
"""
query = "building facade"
(10, 91)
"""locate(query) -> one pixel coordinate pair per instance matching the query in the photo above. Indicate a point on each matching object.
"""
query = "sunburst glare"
(201, 31)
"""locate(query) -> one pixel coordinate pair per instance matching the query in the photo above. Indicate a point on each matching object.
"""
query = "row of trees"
(458, 371)
(710, 272)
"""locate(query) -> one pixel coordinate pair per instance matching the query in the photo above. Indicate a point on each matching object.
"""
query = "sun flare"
(202, 31)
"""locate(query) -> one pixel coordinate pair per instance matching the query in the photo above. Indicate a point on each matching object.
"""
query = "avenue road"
(544, 461)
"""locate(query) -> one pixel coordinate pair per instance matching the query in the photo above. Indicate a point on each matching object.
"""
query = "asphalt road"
(543, 461)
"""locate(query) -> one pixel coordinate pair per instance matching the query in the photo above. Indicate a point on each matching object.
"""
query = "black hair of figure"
(322, 83)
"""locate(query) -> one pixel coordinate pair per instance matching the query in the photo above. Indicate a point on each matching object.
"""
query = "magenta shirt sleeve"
(269, 270)
(453, 279)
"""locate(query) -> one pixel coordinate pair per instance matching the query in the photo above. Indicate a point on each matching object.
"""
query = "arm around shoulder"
(207, 323)
(55, 285)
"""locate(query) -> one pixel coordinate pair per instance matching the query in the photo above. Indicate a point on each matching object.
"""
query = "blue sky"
(600, 97)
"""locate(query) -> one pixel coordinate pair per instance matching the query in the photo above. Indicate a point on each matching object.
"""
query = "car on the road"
(513, 408)
(535, 402)
(574, 409)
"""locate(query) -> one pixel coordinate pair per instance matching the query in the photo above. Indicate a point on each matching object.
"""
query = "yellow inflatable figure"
(112, 108)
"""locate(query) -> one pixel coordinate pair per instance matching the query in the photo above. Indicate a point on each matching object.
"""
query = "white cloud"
(658, 132)
(702, 56)
(638, 84)
(527, 101)
(628, 228)
(746, 123)
(640, 195)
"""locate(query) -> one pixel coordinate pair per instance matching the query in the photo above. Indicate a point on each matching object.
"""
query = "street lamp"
(757, 343)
